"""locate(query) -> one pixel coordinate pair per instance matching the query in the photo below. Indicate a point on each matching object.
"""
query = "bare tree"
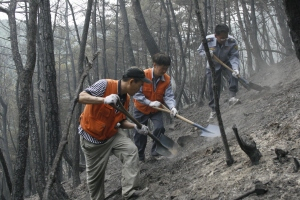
(4, 144)
(143, 28)
(39, 167)
(182, 57)
(25, 80)
(292, 9)
(76, 143)
(244, 37)
(103, 29)
(127, 39)
(52, 118)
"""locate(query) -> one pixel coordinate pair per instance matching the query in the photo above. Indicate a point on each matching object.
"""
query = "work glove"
(113, 98)
(211, 53)
(144, 130)
(154, 104)
(173, 112)
(235, 73)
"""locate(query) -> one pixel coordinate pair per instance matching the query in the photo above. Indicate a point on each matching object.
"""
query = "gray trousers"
(97, 156)
(141, 140)
(232, 81)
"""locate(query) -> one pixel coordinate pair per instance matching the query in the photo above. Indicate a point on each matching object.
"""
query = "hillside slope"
(271, 118)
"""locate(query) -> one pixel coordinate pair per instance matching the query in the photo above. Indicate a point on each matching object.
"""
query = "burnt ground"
(271, 118)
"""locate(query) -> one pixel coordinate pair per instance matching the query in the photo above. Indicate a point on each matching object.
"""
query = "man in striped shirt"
(100, 135)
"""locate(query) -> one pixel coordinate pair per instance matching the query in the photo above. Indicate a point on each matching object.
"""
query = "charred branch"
(248, 146)
(259, 190)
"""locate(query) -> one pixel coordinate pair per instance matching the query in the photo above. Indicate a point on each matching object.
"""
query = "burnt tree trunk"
(248, 146)
(5, 138)
(292, 9)
(116, 43)
(245, 38)
(25, 84)
(182, 57)
(95, 74)
(76, 143)
(52, 119)
(103, 29)
(64, 138)
(143, 28)
(5, 169)
(39, 167)
(127, 39)
(229, 159)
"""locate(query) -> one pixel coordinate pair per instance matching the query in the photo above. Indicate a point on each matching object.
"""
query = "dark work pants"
(232, 81)
(141, 140)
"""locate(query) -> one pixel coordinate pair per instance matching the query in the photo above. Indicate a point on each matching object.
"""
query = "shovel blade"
(166, 146)
(211, 131)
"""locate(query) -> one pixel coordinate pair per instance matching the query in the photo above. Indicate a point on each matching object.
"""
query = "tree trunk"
(70, 50)
(182, 56)
(229, 159)
(76, 143)
(245, 39)
(282, 18)
(41, 97)
(25, 80)
(5, 138)
(64, 138)
(116, 43)
(127, 39)
(252, 30)
(103, 29)
(95, 74)
(292, 11)
(265, 37)
(143, 28)
(51, 101)
(5, 170)
(39, 167)
(168, 28)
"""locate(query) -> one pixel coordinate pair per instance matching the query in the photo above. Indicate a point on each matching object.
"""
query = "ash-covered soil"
(270, 117)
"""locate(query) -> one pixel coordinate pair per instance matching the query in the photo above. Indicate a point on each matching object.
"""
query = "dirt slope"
(270, 118)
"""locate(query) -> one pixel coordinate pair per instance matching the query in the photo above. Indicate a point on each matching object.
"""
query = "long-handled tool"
(247, 84)
(164, 145)
(209, 131)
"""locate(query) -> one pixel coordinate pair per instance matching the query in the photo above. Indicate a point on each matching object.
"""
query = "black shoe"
(138, 193)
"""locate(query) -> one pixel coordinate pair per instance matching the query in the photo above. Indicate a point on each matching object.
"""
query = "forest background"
(47, 48)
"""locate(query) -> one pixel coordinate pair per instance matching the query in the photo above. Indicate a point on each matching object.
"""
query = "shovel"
(164, 145)
(247, 84)
(209, 131)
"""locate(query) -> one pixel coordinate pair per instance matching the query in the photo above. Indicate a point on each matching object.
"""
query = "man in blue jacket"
(225, 47)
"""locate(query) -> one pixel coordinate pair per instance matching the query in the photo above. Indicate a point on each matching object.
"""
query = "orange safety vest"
(148, 91)
(99, 120)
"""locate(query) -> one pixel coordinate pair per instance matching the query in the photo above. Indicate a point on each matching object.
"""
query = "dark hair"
(221, 28)
(135, 73)
(161, 59)
(135, 79)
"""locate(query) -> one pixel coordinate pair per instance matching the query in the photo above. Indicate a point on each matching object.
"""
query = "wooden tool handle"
(220, 61)
(165, 109)
(121, 108)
